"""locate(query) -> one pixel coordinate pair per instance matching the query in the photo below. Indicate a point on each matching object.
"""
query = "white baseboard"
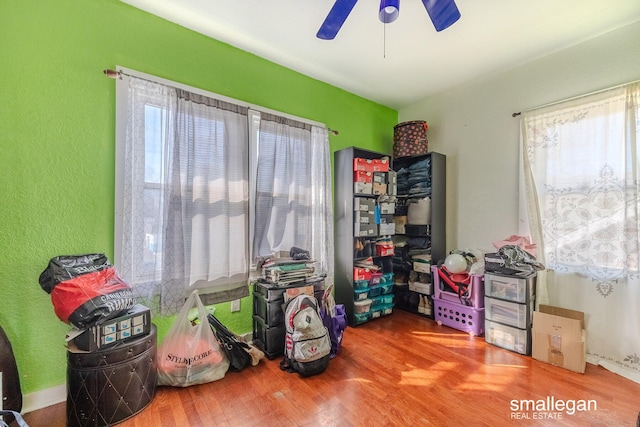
(43, 398)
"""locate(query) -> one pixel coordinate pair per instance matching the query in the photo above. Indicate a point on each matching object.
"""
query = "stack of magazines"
(284, 270)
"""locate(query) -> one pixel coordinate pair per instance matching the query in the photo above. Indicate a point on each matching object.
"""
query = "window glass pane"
(154, 120)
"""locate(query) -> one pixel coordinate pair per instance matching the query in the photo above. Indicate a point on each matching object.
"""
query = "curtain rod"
(113, 74)
(578, 97)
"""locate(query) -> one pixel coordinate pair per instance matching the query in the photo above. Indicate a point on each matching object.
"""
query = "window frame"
(121, 119)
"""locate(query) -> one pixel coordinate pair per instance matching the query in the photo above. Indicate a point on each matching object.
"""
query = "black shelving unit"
(406, 299)
(344, 196)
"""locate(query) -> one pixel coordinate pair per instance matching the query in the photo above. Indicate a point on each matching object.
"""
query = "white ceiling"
(403, 62)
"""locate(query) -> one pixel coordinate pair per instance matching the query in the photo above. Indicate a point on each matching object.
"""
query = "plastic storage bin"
(268, 292)
(377, 302)
(382, 310)
(376, 278)
(510, 288)
(508, 337)
(376, 290)
(476, 289)
(268, 339)
(509, 313)
(387, 309)
(361, 317)
(386, 288)
(360, 284)
(362, 306)
(271, 311)
(458, 316)
(361, 294)
(387, 298)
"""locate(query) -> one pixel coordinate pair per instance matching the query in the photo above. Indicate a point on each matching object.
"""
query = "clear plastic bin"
(508, 337)
(510, 288)
(509, 313)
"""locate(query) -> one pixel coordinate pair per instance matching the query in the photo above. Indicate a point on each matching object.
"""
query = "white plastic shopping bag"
(190, 353)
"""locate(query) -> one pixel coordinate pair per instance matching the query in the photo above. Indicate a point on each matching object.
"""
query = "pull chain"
(384, 41)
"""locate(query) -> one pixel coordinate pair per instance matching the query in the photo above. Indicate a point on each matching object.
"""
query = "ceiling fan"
(443, 14)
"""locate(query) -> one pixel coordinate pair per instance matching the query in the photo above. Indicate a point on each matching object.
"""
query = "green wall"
(57, 135)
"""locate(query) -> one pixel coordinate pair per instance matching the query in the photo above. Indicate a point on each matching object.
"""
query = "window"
(581, 167)
(584, 162)
(193, 191)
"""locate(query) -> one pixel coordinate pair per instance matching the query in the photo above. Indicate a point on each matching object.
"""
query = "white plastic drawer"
(508, 337)
(509, 313)
(510, 288)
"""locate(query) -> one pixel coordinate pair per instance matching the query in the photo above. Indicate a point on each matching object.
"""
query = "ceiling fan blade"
(334, 20)
(443, 13)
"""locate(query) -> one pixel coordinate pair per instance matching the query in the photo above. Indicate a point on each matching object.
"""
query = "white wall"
(473, 126)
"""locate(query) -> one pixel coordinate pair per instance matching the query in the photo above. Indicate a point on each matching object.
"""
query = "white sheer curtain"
(581, 170)
(293, 190)
(184, 199)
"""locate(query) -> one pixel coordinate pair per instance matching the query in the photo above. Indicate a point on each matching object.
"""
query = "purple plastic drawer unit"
(458, 316)
(475, 297)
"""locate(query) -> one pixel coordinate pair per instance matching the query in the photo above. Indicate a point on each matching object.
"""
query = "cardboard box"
(422, 288)
(365, 230)
(362, 188)
(387, 229)
(293, 292)
(392, 183)
(360, 273)
(380, 177)
(559, 337)
(422, 267)
(363, 176)
(386, 219)
(360, 164)
(364, 204)
(380, 165)
(361, 217)
(387, 208)
(379, 188)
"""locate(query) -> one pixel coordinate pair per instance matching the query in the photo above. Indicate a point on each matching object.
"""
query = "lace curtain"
(184, 209)
(581, 170)
(293, 195)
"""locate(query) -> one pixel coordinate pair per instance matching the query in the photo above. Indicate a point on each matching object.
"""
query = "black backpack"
(307, 343)
(11, 391)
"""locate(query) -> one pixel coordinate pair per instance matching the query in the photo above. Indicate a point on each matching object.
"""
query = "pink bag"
(521, 241)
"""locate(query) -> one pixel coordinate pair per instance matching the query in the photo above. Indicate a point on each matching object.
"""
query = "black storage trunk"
(108, 386)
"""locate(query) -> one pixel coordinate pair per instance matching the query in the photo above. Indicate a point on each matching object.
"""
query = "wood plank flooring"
(400, 370)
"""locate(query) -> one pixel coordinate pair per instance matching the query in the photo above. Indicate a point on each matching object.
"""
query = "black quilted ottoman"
(108, 386)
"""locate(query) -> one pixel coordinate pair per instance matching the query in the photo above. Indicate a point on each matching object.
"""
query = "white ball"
(455, 263)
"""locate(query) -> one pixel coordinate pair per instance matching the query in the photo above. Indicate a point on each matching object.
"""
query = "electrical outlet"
(235, 305)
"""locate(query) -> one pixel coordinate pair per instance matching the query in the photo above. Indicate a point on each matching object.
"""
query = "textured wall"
(473, 126)
(57, 135)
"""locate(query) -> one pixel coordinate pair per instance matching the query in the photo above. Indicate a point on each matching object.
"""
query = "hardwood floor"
(400, 370)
